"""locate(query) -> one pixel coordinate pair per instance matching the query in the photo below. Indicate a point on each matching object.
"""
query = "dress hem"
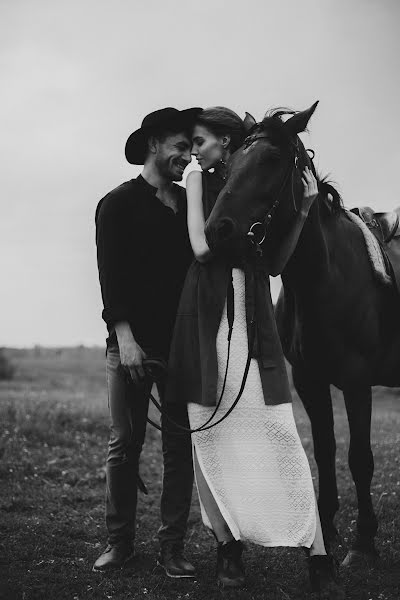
(225, 514)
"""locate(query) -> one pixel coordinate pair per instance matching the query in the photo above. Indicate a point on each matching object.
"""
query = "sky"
(79, 76)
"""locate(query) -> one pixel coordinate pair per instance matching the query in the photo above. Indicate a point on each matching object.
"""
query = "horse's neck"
(310, 262)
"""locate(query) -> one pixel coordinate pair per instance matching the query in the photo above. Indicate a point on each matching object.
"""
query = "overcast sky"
(79, 75)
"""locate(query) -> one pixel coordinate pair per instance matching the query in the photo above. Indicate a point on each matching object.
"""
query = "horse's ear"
(299, 121)
(248, 122)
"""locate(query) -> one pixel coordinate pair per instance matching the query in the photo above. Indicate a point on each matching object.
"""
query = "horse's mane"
(326, 189)
(328, 194)
(278, 112)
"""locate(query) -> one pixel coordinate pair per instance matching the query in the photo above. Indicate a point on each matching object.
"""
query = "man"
(143, 252)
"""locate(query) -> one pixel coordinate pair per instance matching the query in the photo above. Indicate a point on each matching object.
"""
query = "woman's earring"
(223, 169)
(223, 159)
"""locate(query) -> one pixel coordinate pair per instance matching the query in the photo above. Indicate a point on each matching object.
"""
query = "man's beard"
(165, 168)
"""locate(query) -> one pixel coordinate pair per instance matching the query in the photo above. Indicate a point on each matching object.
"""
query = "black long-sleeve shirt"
(143, 253)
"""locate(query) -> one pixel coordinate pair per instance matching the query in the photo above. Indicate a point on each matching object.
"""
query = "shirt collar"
(153, 190)
(146, 184)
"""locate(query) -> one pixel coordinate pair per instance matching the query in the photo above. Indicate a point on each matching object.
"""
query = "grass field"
(53, 440)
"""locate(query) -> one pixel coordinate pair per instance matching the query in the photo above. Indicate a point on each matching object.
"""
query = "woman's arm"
(195, 217)
(288, 245)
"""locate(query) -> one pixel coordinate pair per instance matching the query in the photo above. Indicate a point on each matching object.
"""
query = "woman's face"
(207, 147)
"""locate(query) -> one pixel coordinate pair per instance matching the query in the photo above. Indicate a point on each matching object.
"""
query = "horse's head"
(263, 190)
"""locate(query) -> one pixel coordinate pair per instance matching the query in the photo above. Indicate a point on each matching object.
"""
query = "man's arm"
(115, 234)
(131, 354)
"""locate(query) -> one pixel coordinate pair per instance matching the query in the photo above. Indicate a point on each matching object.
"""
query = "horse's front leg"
(361, 461)
(317, 401)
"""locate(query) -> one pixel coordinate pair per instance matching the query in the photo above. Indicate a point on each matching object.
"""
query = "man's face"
(173, 155)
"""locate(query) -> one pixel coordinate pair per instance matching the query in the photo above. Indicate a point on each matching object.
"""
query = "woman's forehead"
(201, 131)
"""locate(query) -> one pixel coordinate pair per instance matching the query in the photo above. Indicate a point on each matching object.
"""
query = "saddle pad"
(373, 249)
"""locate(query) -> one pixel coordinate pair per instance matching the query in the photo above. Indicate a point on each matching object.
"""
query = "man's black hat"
(136, 145)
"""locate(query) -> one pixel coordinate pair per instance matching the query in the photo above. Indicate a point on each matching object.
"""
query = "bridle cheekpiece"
(258, 231)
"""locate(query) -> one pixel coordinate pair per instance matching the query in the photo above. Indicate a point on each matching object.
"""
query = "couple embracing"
(165, 295)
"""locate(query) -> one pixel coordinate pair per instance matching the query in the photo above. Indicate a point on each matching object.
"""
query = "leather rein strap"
(150, 364)
(182, 430)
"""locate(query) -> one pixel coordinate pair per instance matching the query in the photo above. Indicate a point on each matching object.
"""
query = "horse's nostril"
(225, 229)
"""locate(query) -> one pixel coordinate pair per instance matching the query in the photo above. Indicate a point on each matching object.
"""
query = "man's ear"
(249, 122)
(152, 144)
(299, 121)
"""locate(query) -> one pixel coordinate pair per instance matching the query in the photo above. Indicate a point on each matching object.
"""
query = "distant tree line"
(7, 369)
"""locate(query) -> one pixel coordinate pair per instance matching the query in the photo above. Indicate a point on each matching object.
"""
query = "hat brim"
(136, 144)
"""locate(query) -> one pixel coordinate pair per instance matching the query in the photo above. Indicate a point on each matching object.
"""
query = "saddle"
(385, 226)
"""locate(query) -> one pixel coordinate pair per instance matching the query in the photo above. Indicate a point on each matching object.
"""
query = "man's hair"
(223, 121)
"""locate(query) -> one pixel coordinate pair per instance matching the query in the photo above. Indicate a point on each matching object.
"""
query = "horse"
(337, 323)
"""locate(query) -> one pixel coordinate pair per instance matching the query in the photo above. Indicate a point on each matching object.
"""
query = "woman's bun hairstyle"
(223, 121)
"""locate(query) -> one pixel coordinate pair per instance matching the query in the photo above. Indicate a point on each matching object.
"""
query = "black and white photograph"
(200, 307)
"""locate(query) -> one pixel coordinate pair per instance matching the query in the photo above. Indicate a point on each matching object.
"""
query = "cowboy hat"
(162, 119)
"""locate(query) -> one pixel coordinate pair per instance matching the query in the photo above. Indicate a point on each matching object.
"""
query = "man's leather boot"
(114, 557)
(174, 563)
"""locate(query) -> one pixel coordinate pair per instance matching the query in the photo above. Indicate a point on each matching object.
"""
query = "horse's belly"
(388, 373)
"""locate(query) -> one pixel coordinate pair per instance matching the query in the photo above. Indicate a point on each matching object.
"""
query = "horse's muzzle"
(221, 233)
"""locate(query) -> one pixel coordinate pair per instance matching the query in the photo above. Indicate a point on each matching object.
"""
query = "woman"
(252, 474)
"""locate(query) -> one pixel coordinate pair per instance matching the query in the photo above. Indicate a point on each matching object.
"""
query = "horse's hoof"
(355, 559)
(333, 591)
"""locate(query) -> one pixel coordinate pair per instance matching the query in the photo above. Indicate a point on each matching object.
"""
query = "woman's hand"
(310, 190)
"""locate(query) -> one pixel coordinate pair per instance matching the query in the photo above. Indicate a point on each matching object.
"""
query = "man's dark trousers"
(128, 406)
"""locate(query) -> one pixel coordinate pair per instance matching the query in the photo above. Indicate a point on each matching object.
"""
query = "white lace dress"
(253, 462)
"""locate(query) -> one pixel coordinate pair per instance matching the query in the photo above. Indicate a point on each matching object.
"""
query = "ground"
(53, 440)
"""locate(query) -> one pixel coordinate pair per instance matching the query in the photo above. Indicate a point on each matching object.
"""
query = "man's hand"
(310, 190)
(131, 354)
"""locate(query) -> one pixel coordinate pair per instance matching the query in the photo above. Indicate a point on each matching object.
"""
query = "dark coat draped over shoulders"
(193, 364)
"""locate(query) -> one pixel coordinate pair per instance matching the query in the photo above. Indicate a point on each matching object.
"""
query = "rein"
(208, 425)
(156, 369)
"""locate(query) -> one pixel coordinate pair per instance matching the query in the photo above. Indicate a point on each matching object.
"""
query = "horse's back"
(346, 327)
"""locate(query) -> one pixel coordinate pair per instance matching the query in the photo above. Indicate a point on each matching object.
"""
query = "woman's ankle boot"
(324, 577)
(230, 569)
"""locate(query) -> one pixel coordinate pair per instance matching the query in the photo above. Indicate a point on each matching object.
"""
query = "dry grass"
(52, 447)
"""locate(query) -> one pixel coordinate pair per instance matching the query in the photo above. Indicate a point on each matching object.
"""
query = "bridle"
(259, 229)
(156, 370)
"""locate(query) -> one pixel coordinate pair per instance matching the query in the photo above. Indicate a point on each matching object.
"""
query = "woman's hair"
(223, 121)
